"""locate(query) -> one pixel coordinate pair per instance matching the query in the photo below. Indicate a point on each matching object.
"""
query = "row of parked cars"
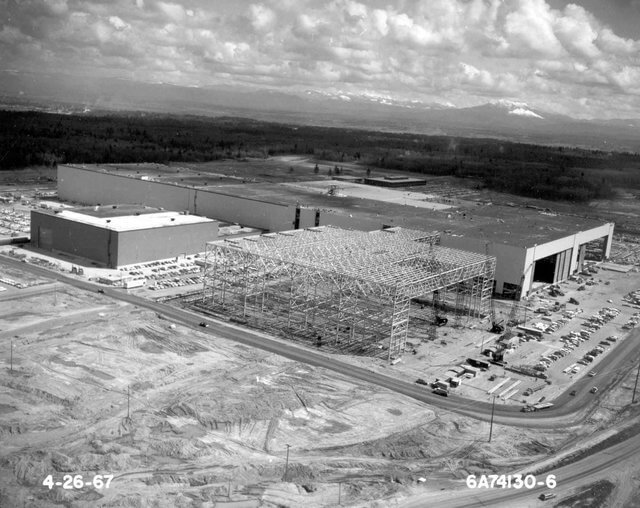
(177, 282)
(603, 316)
(594, 323)
(602, 347)
(633, 321)
(168, 273)
(545, 362)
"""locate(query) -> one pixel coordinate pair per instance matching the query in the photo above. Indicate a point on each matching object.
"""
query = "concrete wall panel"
(92, 187)
(347, 222)
(509, 259)
(74, 238)
(162, 243)
(245, 211)
(307, 217)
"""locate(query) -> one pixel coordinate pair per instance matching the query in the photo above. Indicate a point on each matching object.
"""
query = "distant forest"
(555, 173)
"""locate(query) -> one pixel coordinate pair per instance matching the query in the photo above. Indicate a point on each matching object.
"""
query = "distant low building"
(394, 181)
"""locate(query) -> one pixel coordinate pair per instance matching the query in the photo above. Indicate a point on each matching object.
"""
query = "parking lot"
(166, 274)
(14, 222)
(565, 332)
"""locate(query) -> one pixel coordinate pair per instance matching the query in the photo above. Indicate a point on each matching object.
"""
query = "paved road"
(16, 294)
(581, 473)
(564, 413)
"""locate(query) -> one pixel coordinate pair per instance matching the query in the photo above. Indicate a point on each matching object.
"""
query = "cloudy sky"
(580, 58)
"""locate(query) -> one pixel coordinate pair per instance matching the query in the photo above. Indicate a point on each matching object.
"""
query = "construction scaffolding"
(335, 286)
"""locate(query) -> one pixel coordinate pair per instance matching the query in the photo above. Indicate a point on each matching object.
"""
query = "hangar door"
(45, 238)
(553, 268)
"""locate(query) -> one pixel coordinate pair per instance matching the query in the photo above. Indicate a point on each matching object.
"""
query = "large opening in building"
(545, 269)
(595, 250)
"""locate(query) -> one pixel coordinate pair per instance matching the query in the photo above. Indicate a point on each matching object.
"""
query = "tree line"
(560, 173)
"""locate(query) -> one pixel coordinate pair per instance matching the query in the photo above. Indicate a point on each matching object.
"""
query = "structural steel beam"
(338, 285)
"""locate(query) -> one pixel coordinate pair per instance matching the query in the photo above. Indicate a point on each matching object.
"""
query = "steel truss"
(338, 286)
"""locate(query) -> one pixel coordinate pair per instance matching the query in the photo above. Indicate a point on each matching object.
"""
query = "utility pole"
(11, 355)
(493, 406)
(128, 404)
(633, 398)
(286, 465)
(339, 493)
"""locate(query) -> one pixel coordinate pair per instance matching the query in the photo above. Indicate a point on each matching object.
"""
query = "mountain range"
(510, 120)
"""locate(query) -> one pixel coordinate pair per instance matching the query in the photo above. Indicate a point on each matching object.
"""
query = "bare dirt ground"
(344, 189)
(612, 421)
(209, 420)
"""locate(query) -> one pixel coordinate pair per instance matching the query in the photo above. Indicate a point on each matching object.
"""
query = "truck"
(481, 364)
(540, 407)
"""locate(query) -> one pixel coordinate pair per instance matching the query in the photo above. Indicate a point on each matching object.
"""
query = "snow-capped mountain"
(516, 108)
(507, 119)
(368, 97)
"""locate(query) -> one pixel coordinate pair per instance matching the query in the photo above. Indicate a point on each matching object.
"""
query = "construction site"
(349, 290)
(227, 373)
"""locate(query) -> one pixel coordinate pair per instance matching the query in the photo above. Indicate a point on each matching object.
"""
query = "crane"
(501, 343)
(496, 327)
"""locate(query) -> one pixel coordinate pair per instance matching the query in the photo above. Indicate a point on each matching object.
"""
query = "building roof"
(517, 226)
(119, 210)
(520, 227)
(136, 217)
(398, 180)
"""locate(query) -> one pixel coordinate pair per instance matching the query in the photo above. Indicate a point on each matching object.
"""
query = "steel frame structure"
(341, 286)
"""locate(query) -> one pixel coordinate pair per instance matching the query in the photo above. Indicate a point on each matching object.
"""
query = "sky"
(581, 59)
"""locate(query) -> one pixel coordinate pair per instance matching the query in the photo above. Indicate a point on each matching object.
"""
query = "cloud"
(262, 18)
(117, 23)
(529, 30)
(576, 30)
(56, 7)
(11, 36)
(175, 12)
(460, 51)
(610, 43)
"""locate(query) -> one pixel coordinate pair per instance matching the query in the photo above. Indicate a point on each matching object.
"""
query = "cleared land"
(209, 420)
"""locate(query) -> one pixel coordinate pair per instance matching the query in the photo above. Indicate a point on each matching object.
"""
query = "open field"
(209, 420)
(207, 415)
